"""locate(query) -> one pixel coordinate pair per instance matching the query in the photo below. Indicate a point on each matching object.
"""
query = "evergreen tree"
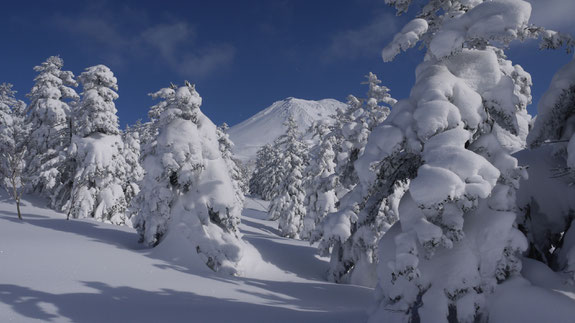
(238, 176)
(14, 139)
(377, 102)
(464, 117)
(320, 181)
(268, 173)
(546, 197)
(146, 133)
(101, 176)
(135, 172)
(352, 128)
(351, 234)
(52, 99)
(288, 204)
(187, 193)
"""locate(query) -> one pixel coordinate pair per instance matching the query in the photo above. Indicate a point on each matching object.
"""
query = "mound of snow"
(264, 127)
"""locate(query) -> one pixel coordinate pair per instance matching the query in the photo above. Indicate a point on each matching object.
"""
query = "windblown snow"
(264, 127)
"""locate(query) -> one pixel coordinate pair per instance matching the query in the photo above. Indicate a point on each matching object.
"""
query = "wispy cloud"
(174, 44)
(171, 41)
(554, 14)
(364, 41)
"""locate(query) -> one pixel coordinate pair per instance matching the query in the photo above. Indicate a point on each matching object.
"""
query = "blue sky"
(242, 55)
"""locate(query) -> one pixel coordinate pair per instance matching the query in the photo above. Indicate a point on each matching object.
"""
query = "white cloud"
(364, 41)
(173, 44)
(554, 14)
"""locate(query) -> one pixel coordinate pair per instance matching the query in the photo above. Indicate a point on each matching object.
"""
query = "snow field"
(53, 270)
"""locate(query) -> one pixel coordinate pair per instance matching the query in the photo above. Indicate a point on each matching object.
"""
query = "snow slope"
(53, 270)
(264, 127)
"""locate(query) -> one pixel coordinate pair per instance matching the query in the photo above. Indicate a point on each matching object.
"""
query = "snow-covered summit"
(264, 127)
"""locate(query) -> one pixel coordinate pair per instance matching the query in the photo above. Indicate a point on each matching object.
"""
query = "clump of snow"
(554, 108)
(408, 37)
(100, 154)
(498, 20)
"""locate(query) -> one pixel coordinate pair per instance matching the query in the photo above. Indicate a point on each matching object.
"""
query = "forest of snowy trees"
(457, 180)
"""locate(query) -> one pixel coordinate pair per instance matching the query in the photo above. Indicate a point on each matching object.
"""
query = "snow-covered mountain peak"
(268, 124)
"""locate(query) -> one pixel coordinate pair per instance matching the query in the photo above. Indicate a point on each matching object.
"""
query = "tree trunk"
(16, 195)
(18, 209)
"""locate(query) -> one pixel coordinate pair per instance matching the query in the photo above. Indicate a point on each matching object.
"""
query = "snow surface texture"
(267, 125)
(53, 270)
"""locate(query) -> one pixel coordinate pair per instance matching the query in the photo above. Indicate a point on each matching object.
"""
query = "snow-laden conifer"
(14, 139)
(237, 174)
(456, 238)
(268, 173)
(52, 99)
(320, 180)
(353, 125)
(187, 193)
(135, 172)
(351, 234)
(288, 204)
(100, 178)
(546, 197)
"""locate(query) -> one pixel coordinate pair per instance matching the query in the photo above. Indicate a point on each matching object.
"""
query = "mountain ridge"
(265, 126)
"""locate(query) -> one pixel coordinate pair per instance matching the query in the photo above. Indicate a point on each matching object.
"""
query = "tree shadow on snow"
(299, 260)
(28, 200)
(94, 231)
(262, 227)
(312, 296)
(107, 303)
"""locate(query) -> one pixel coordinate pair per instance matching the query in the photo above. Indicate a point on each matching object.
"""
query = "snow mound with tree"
(267, 125)
(187, 193)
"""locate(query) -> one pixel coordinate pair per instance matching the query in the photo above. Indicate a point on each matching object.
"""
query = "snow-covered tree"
(101, 176)
(146, 132)
(353, 125)
(320, 181)
(14, 139)
(351, 131)
(288, 205)
(351, 234)
(547, 195)
(187, 193)
(238, 175)
(52, 99)
(377, 102)
(456, 237)
(268, 174)
(135, 172)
